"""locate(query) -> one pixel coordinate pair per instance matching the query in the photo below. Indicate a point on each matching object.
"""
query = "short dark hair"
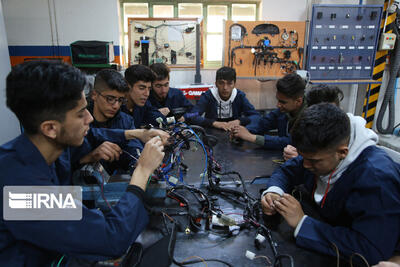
(136, 73)
(324, 93)
(109, 79)
(37, 91)
(160, 70)
(291, 85)
(320, 127)
(226, 73)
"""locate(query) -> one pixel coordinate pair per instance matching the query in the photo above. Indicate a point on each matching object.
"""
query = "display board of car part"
(169, 41)
(264, 49)
(343, 41)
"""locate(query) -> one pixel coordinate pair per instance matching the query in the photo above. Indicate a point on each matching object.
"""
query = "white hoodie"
(360, 138)
(224, 109)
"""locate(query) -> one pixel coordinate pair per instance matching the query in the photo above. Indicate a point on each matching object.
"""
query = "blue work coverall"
(96, 236)
(361, 213)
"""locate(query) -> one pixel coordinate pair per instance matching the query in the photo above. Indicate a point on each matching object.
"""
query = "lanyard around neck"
(327, 188)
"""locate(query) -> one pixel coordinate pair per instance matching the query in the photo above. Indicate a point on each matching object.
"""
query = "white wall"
(293, 10)
(35, 22)
(87, 20)
(9, 123)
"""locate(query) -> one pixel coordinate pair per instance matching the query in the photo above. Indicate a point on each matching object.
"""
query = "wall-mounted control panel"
(343, 40)
(387, 41)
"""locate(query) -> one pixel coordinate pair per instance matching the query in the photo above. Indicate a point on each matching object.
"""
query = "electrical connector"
(222, 219)
(259, 242)
(173, 180)
(250, 255)
(171, 120)
(260, 238)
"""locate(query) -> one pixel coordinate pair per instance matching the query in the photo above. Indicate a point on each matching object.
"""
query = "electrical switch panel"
(343, 40)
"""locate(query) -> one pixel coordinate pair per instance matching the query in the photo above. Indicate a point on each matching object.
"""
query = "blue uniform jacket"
(144, 115)
(174, 99)
(361, 212)
(242, 109)
(120, 121)
(97, 236)
(273, 120)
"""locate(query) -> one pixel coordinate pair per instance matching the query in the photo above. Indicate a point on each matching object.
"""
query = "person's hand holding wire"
(267, 203)
(106, 151)
(232, 124)
(165, 111)
(150, 158)
(145, 135)
(242, 132)
(151, 133)
(290, 209)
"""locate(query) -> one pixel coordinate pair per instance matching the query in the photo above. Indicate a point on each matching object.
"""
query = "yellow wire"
(359, 255)
(337, 254)
(265, 257)
(191, 257)
(279, 161)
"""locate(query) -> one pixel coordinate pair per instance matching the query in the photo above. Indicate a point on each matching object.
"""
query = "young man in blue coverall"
(105, 100)
(223, 105)
(139, 78)
(48, 100)
(354, 185)
(290, 96)
(164, 97)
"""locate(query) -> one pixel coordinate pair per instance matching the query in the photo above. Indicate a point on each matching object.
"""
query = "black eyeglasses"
(112, 99)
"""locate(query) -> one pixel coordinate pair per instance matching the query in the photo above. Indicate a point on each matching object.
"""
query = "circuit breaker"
(343, 40)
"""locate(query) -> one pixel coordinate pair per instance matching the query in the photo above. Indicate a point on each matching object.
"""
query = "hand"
(290, 209)
(221, 125)
(165, 111)
(181, 119)
(386, 264)
(233, 123)
(267, 203)
(106, 151)
(242, 132)
(289, 152)
(150, 158)
(145, 135)
(151, 133)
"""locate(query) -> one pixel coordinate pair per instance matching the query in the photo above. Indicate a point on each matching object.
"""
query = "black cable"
(271, 242)
(278, 260)
(171, 245)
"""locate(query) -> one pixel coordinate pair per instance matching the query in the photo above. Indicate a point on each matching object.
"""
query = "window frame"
(207, 64)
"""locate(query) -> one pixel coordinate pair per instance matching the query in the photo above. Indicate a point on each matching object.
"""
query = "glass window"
(215, 17)
(134, 10)
(244, 12)
(214, 47)
(190, 10)
(163, 11)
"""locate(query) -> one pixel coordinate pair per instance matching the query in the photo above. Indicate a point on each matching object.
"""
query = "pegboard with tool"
(169, 41)
(264, 49)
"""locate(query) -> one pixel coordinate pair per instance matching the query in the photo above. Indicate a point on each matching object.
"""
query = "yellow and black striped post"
(372, 94)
